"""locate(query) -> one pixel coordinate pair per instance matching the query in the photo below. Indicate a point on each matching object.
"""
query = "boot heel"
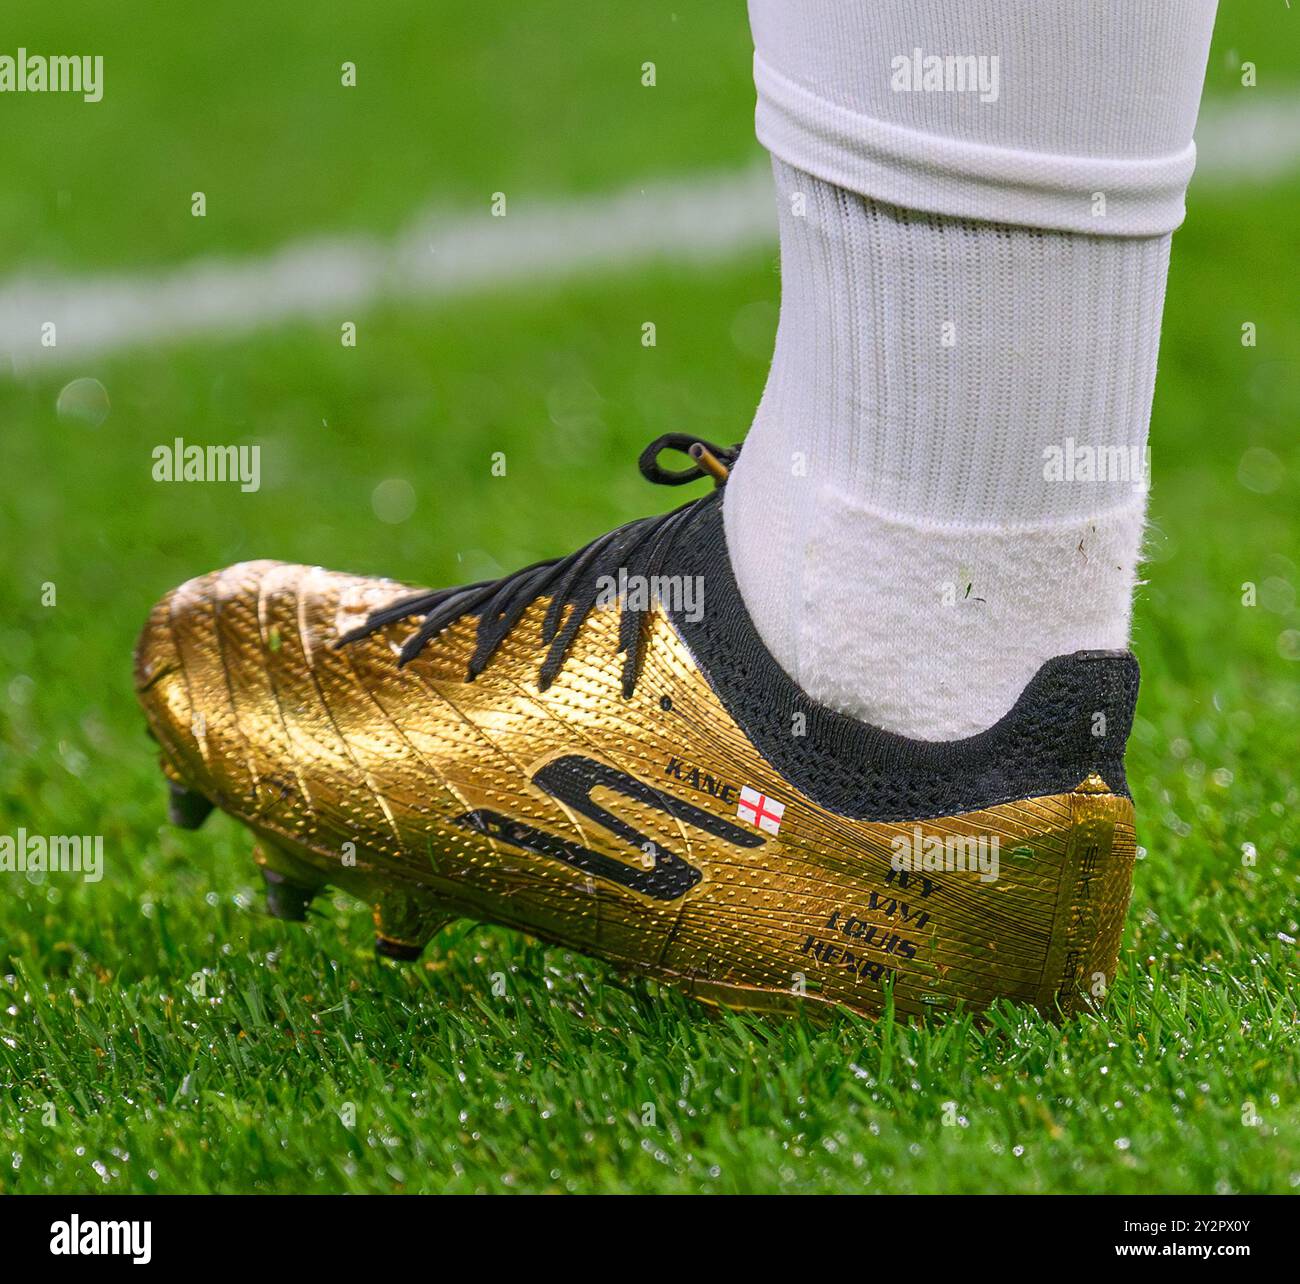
(1096, 884)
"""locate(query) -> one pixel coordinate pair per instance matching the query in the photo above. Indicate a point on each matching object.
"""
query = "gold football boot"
(600, 751)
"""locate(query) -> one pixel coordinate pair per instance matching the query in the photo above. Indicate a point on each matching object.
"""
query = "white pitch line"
(703, 218)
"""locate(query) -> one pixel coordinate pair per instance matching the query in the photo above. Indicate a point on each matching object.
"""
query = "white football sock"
(944, 485)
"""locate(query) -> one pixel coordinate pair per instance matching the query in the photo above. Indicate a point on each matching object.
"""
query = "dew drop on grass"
(393, 500)
(576, 405)
(1277, 595)
(20, 689)
(1260, 470)
(83, 401)
(753, 329)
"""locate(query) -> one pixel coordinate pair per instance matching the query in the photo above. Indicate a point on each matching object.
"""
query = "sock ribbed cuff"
(1099, 196)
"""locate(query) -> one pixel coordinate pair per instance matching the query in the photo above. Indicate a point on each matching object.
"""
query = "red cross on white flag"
(759, 810)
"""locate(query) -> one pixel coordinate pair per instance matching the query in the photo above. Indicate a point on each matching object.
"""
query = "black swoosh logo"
(570, 780)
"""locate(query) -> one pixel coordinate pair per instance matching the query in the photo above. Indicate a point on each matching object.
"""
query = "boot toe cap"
(234, 670)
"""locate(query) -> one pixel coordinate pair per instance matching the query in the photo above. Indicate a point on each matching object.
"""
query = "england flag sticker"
(759, 810)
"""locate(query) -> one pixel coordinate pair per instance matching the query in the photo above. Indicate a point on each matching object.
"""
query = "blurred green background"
(115, 1075)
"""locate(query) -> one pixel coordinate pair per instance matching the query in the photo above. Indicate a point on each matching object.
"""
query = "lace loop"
(684, 442)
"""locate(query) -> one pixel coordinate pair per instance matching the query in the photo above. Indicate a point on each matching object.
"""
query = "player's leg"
(944, 485)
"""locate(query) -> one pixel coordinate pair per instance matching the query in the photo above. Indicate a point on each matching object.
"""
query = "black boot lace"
(573, 583)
